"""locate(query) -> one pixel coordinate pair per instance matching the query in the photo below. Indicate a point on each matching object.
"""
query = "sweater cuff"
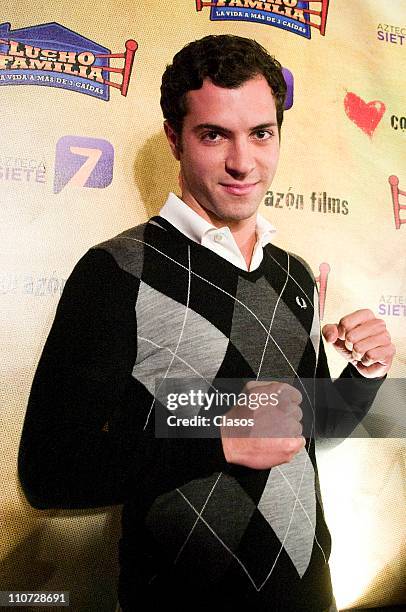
(369, 381)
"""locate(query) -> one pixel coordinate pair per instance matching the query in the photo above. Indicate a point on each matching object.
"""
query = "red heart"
(365, 115)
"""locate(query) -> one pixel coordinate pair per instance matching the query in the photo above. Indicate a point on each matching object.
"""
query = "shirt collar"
(192, 225)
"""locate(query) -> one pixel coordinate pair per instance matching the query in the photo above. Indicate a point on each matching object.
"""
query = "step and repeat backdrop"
(83, 156)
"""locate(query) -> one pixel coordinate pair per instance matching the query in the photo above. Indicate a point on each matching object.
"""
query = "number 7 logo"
(83, 162)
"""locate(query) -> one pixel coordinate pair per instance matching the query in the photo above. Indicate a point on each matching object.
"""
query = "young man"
(234, 522)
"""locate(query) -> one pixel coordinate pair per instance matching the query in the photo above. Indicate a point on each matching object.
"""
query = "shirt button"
(218, 237)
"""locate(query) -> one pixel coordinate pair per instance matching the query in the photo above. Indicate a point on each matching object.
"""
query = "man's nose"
(239, 160)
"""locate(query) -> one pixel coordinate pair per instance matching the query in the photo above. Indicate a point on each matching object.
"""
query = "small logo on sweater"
(301, 302)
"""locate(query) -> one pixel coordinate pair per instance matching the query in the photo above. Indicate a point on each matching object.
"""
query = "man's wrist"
(356, 374)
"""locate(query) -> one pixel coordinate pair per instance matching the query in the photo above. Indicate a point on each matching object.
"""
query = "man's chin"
(232, 218)
(238, 212)
(227, 210)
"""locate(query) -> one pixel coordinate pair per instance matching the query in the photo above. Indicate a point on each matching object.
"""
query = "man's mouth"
(239, 188)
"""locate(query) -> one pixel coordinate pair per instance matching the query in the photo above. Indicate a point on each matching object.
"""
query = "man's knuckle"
(343, 322)
(287, 445)
(288, 454)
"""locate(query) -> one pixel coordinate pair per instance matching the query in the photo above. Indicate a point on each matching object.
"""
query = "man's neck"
(243, 231)
(246, 239)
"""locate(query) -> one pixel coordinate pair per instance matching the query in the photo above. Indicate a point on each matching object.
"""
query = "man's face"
(228, 149)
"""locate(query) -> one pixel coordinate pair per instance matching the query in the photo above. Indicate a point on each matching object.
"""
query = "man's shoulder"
(133, 239)
(127, 248)
(125, 238)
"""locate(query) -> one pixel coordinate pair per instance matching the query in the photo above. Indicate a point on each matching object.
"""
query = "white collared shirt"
(219, 240)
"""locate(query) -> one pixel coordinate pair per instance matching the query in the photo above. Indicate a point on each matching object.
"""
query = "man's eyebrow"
(218, 128)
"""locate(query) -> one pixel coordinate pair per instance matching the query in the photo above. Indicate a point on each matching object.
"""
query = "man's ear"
(173, 139)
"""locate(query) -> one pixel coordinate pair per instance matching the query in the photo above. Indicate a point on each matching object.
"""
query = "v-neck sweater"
(152, 304)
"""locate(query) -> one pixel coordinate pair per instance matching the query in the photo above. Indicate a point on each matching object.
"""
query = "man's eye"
(211, 136)
(263, 134)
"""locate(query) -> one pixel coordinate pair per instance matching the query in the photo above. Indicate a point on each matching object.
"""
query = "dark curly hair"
(229, 61)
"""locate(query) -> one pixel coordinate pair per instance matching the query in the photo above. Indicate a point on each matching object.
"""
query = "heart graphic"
(366, 115)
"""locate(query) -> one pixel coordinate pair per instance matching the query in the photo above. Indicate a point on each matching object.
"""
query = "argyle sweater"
(196, 531)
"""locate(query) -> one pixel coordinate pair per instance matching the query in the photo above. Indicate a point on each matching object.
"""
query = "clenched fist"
(363, 340)
(275, 434)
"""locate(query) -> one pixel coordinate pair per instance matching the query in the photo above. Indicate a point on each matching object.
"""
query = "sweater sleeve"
(71, 453)
(341, 405)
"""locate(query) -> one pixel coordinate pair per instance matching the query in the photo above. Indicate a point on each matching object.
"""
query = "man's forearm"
(341, 406)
